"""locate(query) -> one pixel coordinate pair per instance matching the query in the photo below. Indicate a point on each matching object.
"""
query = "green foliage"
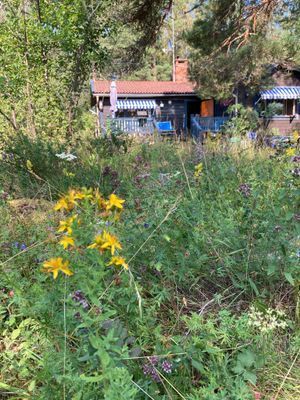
(58, 174)
(156, 63)
(242, 121)
(234, 42)
(49, 50)
(202, 250)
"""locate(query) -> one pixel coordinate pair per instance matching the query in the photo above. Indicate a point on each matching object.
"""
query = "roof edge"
(146, 95)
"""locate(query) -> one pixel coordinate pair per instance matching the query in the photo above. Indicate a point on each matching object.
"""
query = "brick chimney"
(181, 73)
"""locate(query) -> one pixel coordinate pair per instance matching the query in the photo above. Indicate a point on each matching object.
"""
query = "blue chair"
(165, 128)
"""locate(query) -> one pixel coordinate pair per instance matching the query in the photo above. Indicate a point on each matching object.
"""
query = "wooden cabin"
(141, 102)
(284, 89)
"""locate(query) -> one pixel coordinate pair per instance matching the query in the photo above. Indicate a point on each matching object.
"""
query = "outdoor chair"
(165, 129)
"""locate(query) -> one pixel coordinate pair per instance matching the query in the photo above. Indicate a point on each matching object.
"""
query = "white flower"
(66, 156)
(268, 321)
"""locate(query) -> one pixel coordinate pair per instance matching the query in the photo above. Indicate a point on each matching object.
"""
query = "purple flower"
(23, 247)
(251, 135)
(296, 159)
(146, 225)
(166, 366)
(80, 298)
(106, 171)
(16, 245)
(245, 189)
(138, 159)
(153, 360)
(296, 172)
(150, 371)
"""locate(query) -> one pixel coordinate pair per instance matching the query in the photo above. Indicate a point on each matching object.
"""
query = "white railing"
(133, 125)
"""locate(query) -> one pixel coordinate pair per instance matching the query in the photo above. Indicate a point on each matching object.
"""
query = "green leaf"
(289, 278)
(91, 379)
(95, 342)
(198, 366)
(15, 334)
(250, 376)
(271, 269)
(104, 357)
(247, 358)
(31, 386)
(254, 287)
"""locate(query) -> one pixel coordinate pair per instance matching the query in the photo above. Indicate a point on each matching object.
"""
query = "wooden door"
(207, 108)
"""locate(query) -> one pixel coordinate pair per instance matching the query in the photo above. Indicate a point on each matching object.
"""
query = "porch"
(133, 125)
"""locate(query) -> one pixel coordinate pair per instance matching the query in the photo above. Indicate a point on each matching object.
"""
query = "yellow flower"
(54, 265)
(84, 194)
(290, 152)
(66, 202)
(72, 196)
(98, 242)
(118, 261)
(198, 170)
(29, 165)
(67, 241)
(99, 200)
(106, 241)
(110, 242)
(114, 202)
(66, 226)
(62, 204)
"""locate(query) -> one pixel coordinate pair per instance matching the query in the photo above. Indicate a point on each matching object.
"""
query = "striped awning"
(142, 104)
(281, 93)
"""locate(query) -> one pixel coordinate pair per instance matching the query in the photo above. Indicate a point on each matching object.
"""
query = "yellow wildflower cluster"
(198, 170)
(73, 197)
(105, 243)
(108, 242)
(290, 152)
(66, 226)
(54, 265)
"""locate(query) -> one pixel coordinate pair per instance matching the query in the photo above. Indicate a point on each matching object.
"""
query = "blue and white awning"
(142, 104)
(281, 93)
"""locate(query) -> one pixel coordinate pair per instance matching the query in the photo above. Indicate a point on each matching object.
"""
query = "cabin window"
(288, 106)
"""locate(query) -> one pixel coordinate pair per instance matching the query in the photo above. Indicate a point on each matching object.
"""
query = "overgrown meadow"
(155, 270)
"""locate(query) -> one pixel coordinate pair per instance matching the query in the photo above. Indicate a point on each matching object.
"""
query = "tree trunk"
(11, 121)
(43, 51)
(30, 116)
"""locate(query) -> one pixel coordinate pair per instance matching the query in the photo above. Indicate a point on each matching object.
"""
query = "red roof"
(143, 87)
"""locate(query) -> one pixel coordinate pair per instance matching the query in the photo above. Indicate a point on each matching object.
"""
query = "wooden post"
(294, 107)
(97, 117)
